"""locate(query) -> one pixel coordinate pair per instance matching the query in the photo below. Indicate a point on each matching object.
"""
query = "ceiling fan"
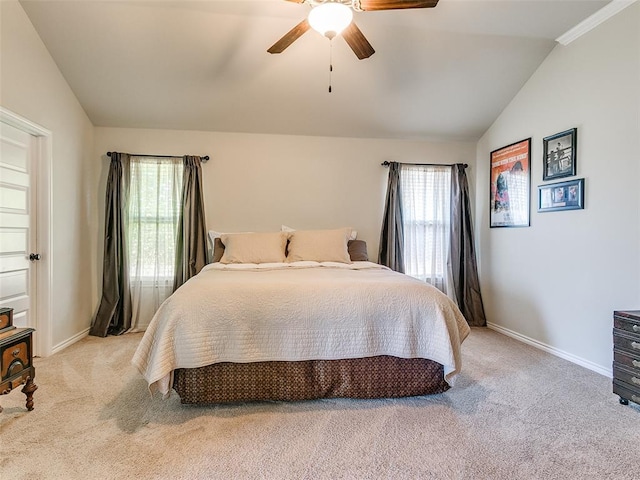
(341, 11)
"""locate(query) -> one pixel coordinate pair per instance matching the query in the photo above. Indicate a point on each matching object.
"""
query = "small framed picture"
(560, 155)
(567, 195)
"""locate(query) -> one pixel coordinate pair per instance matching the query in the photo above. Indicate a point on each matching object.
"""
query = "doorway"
(25, 239)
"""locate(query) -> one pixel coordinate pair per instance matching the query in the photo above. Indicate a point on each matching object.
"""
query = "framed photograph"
(567, 195)
(560, 155)
(510, 185)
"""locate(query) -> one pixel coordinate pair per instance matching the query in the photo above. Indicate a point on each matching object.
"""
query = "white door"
(17, 225)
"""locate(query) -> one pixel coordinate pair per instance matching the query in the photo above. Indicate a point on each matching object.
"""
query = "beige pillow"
(254, 247)
(353, 234)
(319, 245)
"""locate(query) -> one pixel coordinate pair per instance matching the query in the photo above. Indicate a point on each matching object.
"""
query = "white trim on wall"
(552, 350)
(602, 15)
(70, 341)
(44, 152)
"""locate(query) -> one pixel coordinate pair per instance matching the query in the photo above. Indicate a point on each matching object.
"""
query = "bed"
(308, 323)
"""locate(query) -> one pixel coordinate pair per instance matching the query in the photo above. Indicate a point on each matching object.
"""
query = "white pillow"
(319, 245)
(353, 234)
(213, 234)
(254, 247)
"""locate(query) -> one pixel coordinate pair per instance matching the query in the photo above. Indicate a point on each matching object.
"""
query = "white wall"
(32, 86)
(259, 182)
(558, 281)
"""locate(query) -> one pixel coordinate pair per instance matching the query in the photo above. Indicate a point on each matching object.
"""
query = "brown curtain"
(191, 241)
(114, 313)
(462, 251)
(392, 236)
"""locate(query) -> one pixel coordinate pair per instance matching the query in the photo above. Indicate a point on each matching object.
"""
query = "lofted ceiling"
(441, 73)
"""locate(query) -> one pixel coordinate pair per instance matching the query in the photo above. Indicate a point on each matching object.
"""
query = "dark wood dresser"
(16, 357)
(626, 355)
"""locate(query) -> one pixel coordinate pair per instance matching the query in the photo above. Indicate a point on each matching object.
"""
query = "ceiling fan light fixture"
(330, 18)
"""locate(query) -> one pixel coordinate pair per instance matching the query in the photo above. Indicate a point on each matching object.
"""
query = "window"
(154, 210)
(426, 199)
(155, 203)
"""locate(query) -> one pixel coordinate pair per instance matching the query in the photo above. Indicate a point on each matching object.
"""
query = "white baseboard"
(70, 341)
(607, 372)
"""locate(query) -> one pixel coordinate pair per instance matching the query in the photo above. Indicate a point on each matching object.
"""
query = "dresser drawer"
(626, 359)
(626, 391)
(628, 325)
(16, 357)
(626, 341)
(626, 375)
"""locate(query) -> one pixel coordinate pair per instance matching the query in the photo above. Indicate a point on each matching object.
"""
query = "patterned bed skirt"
(371, 377)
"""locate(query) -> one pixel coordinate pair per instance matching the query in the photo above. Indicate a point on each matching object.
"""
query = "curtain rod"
(204, 159)
(386, 164)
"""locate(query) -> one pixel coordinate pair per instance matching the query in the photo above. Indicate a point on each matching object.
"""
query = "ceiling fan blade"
(370, 5)
(357, 41)
(290, 37)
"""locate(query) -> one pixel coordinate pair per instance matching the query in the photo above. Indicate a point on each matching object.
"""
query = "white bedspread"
(299, 311)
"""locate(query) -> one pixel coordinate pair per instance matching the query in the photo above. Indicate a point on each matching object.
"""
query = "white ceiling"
(442, 73)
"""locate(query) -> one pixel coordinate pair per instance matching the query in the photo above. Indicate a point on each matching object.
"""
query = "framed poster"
(561, 196)
(559, 155)
(511, 185)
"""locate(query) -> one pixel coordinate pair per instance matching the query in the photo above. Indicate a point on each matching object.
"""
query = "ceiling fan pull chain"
(330, 62)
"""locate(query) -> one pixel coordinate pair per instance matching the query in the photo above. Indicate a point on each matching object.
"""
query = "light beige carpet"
(515, 413)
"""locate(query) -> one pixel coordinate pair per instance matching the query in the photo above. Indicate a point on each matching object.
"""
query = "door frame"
(43, 186)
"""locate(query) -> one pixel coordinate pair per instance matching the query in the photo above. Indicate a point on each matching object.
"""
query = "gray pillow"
(358, 250)
(218, 249)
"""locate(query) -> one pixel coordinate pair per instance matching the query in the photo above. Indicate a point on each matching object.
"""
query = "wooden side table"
(16, 358)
